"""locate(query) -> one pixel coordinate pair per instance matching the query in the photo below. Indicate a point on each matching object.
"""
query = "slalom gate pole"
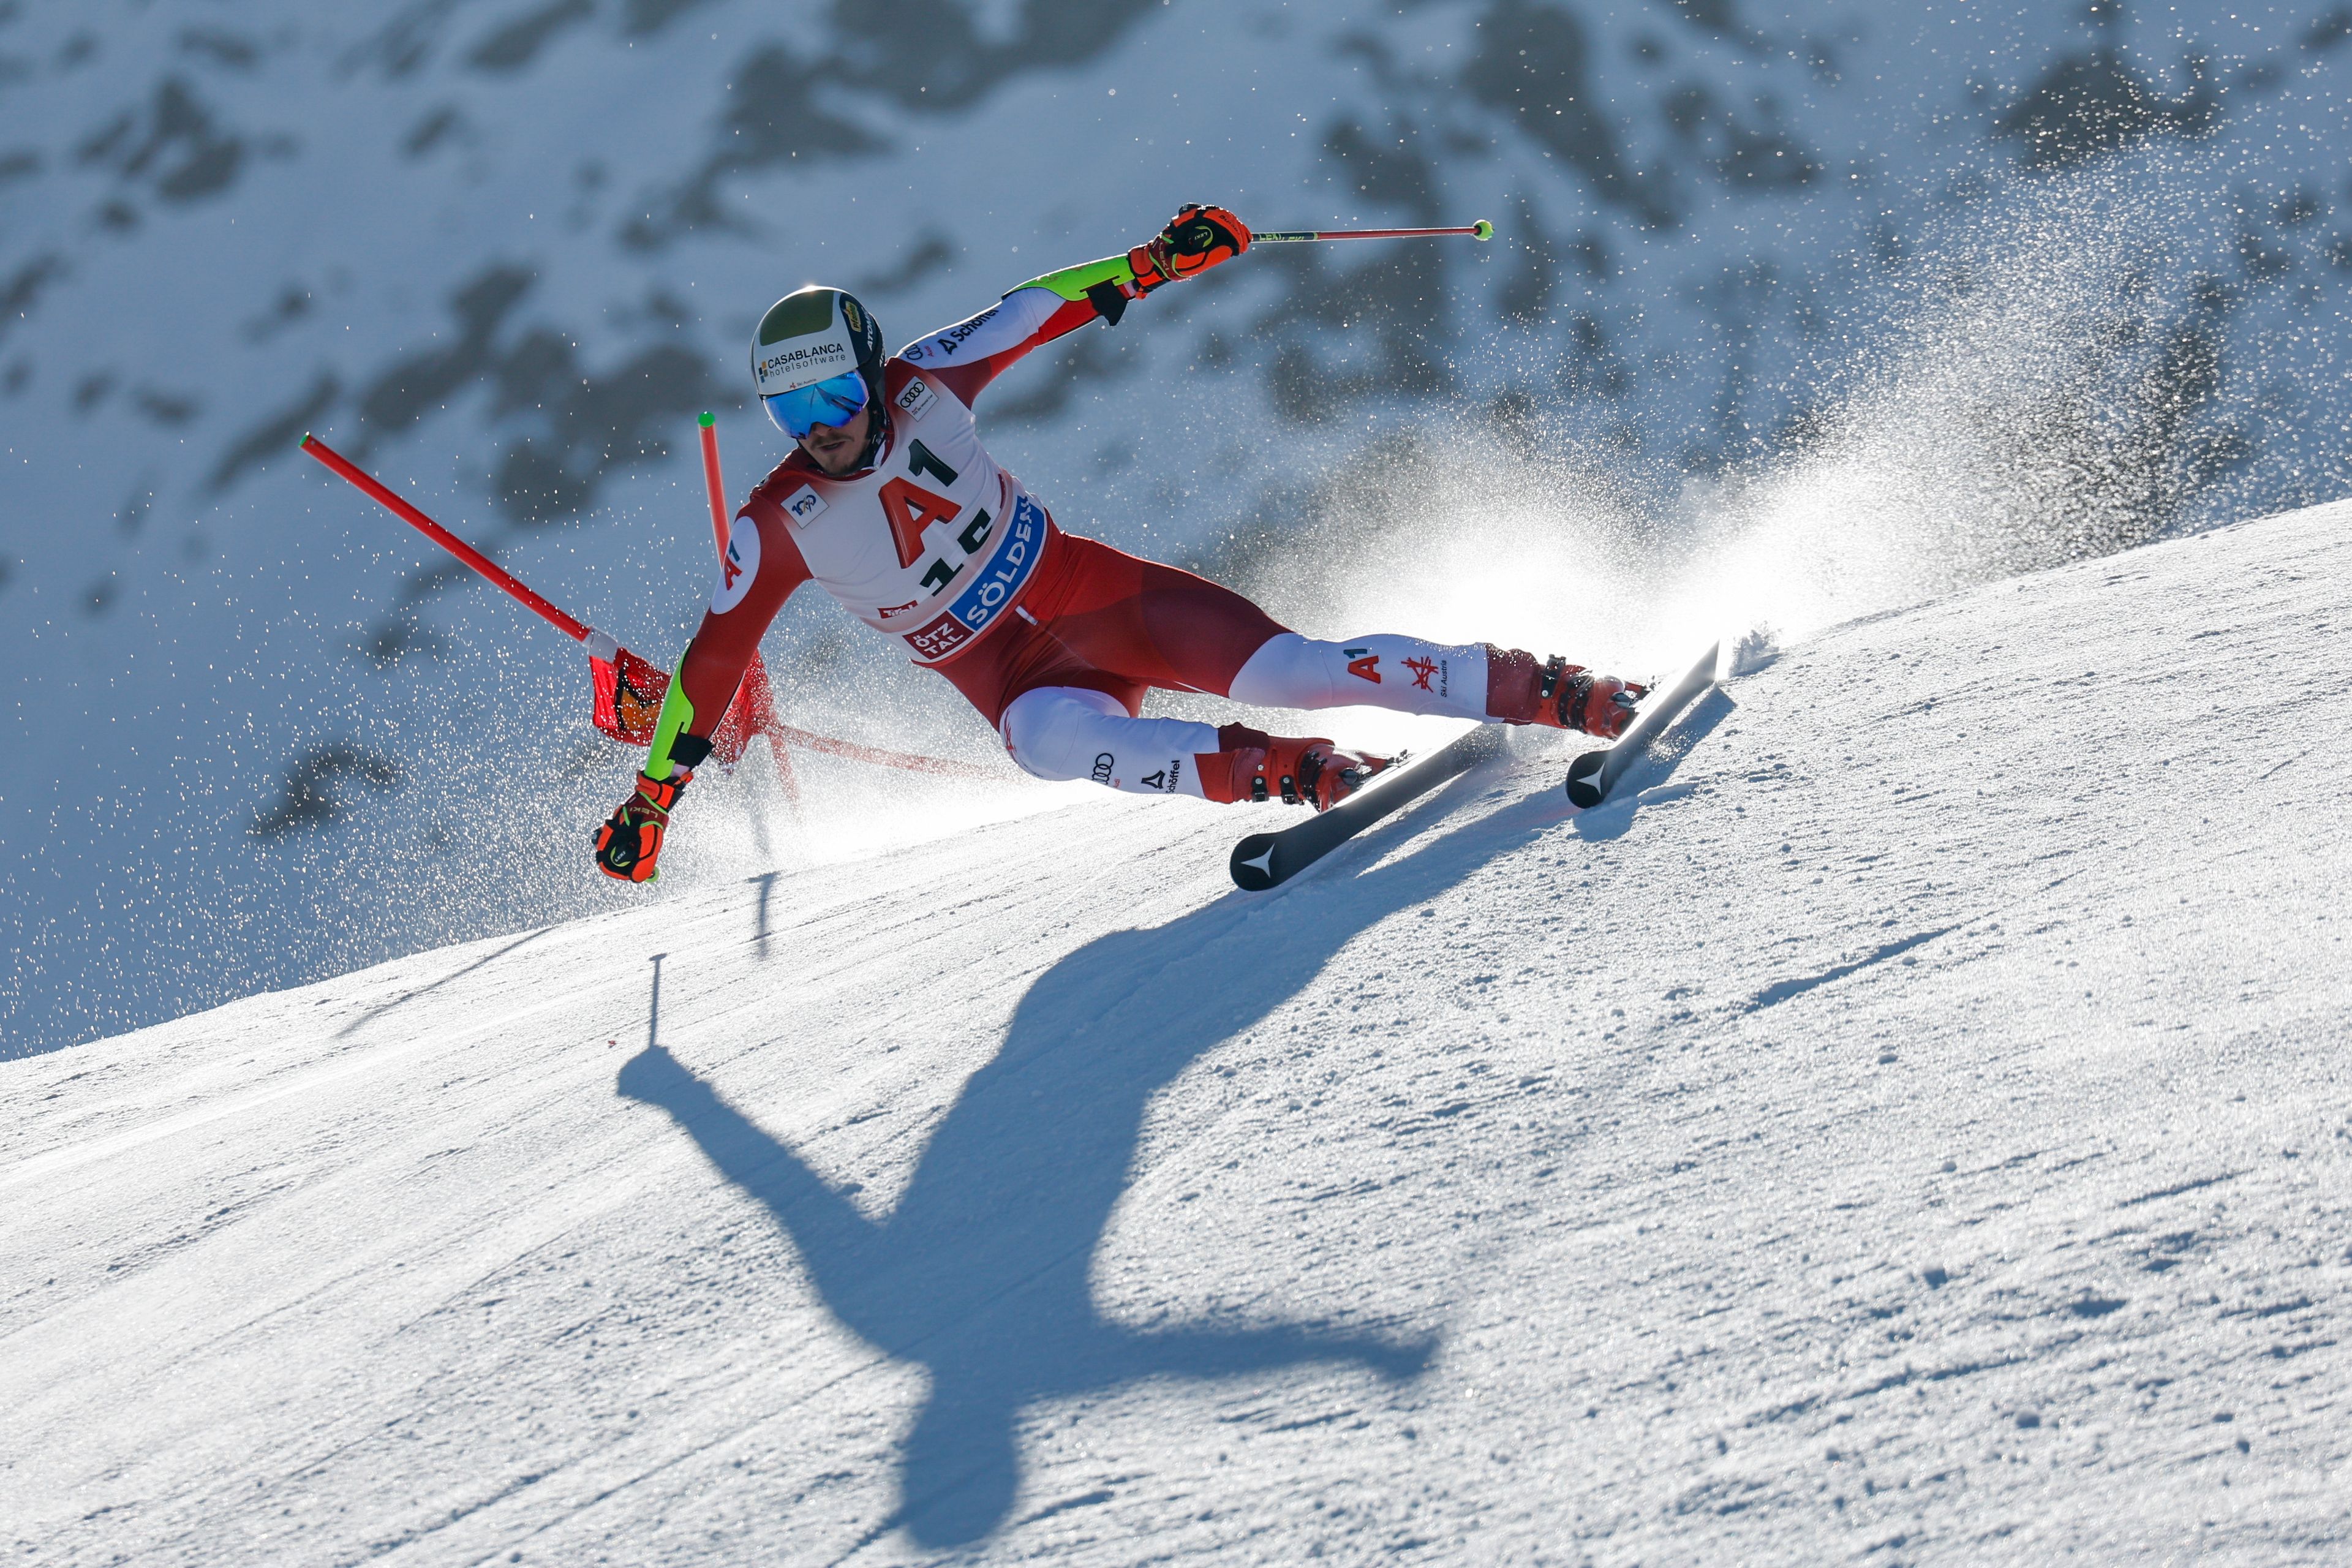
(576, 630)
(944, 767)
(1482, 229)
(711, 483)
(600, 646)
(755, 689)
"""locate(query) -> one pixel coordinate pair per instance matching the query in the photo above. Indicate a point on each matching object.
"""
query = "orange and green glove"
(1195, 239)
(629, 845)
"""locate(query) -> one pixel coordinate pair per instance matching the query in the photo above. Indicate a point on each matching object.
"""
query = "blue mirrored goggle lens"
(802, 410)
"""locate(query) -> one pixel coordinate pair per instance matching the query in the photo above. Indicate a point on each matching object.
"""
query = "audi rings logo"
(1104, 763)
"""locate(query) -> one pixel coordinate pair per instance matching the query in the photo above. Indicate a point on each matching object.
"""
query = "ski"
(1592, 775)
(1265, 861)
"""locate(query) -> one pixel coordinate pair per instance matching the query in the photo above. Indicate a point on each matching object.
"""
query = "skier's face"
(834, 448)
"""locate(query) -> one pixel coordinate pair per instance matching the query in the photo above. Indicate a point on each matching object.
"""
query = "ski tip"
(1252, 863)
(1584, 780)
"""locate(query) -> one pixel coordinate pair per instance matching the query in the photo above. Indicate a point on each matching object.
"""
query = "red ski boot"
(1253, 765)
(1560, 694)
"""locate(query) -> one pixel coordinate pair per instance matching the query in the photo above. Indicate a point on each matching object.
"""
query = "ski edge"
(1254, 861)
(1593, 775)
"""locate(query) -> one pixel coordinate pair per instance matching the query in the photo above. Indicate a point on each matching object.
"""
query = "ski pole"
(1482, 229)
(576, 630)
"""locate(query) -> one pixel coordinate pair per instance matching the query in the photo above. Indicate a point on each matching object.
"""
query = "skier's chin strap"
(878, 429)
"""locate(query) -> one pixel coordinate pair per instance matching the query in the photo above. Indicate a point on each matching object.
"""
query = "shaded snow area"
(1910, 1127)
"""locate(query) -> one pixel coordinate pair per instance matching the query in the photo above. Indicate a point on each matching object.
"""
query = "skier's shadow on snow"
(980, 1273)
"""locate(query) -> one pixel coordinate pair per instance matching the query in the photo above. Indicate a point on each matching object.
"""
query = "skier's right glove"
(628, 847)
(1195, 239)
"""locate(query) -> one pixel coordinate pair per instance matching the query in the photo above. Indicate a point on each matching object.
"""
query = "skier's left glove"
(1195, 239)
(629, 845)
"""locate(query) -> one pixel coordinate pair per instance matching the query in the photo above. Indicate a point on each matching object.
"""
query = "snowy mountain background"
(1798, 313)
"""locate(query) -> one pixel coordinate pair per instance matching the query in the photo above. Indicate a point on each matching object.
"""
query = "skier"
(892, 504)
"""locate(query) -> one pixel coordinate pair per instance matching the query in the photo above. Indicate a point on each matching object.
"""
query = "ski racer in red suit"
(892, 505)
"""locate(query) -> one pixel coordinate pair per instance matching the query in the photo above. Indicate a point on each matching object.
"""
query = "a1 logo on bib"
(739, 565)
(916, 399)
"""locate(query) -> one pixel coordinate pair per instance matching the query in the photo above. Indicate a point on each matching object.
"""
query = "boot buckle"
(1554, 668)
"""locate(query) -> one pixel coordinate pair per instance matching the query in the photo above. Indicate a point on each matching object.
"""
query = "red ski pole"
(1482, 229)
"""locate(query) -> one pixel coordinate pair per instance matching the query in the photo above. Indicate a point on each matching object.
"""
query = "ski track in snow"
(1908, 1126)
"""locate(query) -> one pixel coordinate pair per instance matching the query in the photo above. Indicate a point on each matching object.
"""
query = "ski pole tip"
(707, 419)
(1483, 229)
(306, 438)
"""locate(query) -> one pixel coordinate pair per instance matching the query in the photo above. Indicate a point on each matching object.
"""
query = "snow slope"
(1912, 1128)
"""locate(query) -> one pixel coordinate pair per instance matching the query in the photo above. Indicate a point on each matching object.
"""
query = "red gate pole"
(576, 630)
(755, 693)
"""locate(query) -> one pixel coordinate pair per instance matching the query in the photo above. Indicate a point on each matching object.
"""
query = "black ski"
(1264, 860)
(1592, 775)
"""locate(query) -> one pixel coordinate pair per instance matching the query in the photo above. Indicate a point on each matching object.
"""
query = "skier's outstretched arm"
(969, 354)
(760, 570)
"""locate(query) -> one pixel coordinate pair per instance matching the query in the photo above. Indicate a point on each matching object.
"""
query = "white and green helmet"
(812, 335)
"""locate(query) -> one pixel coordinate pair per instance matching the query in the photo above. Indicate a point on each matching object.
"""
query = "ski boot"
(1559, 695)
(1253, 765)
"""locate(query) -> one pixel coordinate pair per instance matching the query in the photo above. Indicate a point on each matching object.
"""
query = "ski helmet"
(812, 335)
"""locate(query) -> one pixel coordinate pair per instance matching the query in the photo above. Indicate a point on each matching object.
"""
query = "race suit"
(1055, 638)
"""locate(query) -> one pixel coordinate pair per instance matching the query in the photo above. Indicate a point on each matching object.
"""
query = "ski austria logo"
(738, 567)
(802, 505)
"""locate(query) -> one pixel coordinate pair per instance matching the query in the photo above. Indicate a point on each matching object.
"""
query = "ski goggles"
(803, 409)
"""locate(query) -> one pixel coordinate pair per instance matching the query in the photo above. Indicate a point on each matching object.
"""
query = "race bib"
(992, 592)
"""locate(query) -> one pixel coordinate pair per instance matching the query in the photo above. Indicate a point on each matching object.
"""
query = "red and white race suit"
(1055, 638)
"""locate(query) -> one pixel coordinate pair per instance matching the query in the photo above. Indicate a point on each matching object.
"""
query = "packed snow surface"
(1909, 1127)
